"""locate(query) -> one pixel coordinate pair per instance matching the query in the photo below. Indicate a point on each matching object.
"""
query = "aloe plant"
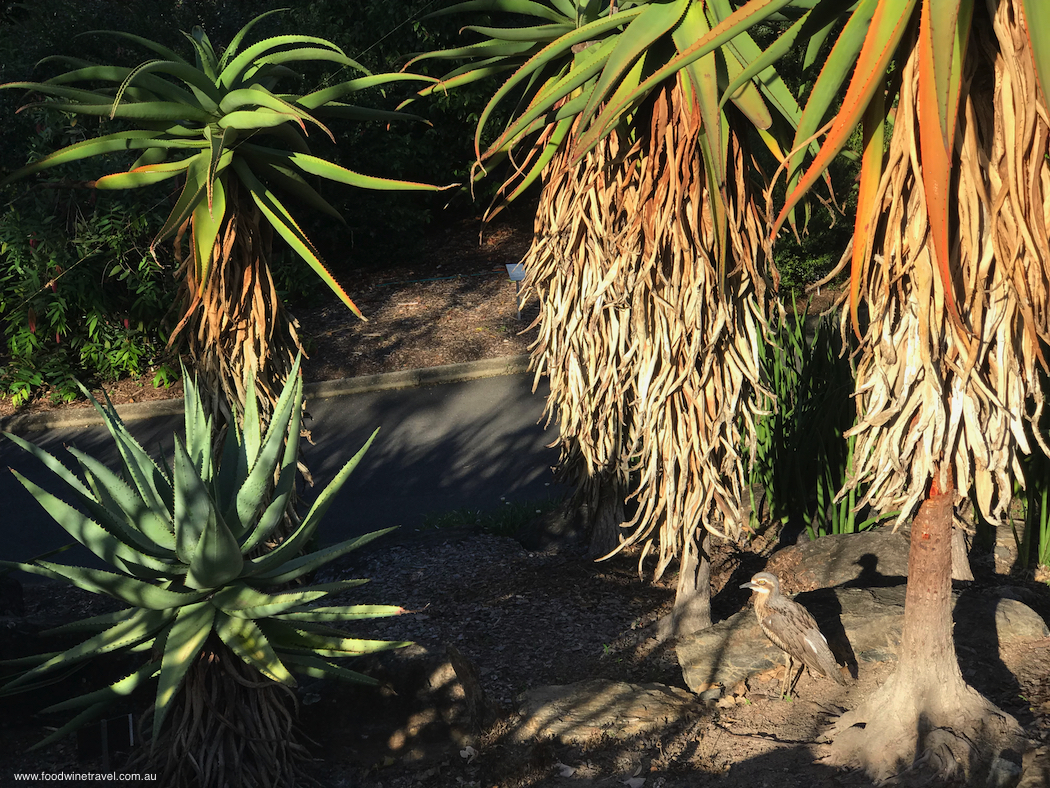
(180, 542)
(649, 260)
(220, 123)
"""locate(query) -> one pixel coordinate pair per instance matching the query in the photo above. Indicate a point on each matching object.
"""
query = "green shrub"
(80, 295)
(1034, 543)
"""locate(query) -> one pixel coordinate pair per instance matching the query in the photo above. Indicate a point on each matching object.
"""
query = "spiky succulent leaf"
(266, 460)
(318, 668)
(148, 478)
(295, 568)
(238, 596)
(327, 496)
(276, 605)
(137, 627)
(106, 543)
(185, 640)
(203, 540)
(88, 715)
(345, 613)
(266, 565)
(299, 640)
(273, 515)
(115, 691)
(155, 539)
(112, 496)
(248, 642)
(93, 623)
(194, 512)
(129, 590)
(199, 428)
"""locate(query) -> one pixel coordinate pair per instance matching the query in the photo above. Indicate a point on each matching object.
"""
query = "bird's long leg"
(790, 677)
(796, 677)
(785, 685)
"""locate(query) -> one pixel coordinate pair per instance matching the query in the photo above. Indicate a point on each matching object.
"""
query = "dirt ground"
(524, 619)
(530, 619)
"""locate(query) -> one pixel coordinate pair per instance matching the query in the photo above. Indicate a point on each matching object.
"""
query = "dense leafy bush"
(80, 295)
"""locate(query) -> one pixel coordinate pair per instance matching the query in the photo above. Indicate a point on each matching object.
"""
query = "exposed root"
(910, 735)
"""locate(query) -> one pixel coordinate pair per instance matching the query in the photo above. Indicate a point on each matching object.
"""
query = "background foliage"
(79, 292)
(103, 316)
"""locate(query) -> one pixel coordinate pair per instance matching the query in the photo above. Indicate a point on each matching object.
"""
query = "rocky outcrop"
(861, 625)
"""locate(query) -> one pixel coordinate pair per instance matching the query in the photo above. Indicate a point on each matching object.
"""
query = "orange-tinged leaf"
(289, 230)
(935, 66)
(870, 175)
(1037, 24)
(885, 32)
(825, 94)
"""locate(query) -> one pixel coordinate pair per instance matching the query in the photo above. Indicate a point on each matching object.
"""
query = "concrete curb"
(70, 418)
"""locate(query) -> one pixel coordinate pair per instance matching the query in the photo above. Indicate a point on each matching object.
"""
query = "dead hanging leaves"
(234, 321)
(651, 362)
(927, 392)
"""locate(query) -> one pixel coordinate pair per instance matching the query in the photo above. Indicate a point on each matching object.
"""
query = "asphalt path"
(475, 444)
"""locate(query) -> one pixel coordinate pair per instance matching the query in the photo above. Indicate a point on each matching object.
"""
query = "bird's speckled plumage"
(791, 627)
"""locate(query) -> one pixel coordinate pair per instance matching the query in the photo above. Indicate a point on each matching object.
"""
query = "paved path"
(441, 447)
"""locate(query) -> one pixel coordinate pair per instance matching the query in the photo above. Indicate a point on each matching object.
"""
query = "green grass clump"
(505, 520)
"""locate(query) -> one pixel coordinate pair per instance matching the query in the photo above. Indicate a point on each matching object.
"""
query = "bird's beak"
(750, 585)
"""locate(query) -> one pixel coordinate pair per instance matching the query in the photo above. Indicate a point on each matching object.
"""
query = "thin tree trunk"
(692, 602)
(927, 651)
(607, 517)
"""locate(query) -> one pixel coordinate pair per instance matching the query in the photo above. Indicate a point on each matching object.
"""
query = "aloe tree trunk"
(605, 514)
(233, 324)
(692, 602)
(231, 726)
(926, 707)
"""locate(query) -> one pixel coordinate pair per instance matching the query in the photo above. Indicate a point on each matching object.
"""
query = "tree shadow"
(478, 443)
(978, 650)
(871, 577)
(827, 611)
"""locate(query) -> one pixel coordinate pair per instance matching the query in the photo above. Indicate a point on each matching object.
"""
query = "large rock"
(870, 559)
(578, 713)
(861, 625)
